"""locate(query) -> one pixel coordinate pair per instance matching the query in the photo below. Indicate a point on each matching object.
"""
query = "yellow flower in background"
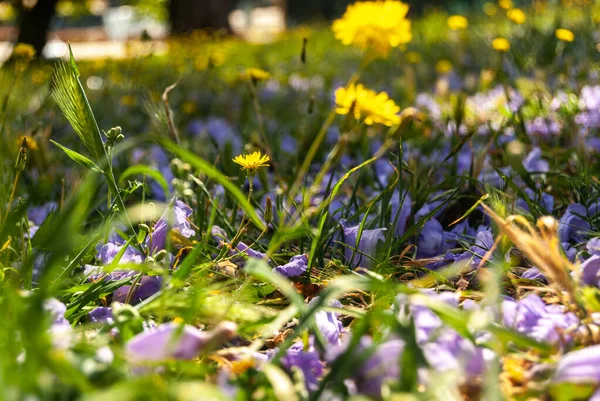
(256, 74)
(490, 9)
(65, 8)
(218, 57)
(188, 107)
(565, 35)
(443, 66)
(24, 51)
(501, 44)
(252, 161)
(457, 22)
(201, 62)
(27, 141)
(516, 15)
(487, 76)
(128, 100)
(7, 12)
(374, 108)
(374, 25)
(413, 57)
(505, 4)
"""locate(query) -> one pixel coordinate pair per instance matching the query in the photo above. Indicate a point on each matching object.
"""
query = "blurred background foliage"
(31, 21)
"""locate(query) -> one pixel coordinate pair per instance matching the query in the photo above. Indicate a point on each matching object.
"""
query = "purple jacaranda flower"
(589, 103)
(438, 199)
(464, 159)
(516, 100)
(101, 314)
(218, 130)
(543, 127)
(381, 366)
(60, 329)
(545, 200)
(328, 324)
(307, 360)
(450, 351)
(426, 321)
(534, 163)
(171, 340)
(427, 103)
(108, 252)
(431, 242)
(533, 273)
(251, 253)
(363, 254)
(593, 246)
(145, 288)
(177, 219)
(294, 268)
(446, 260)
(401, 213)
(590, 271)
(333, 133)
(443, 347)
(484, 241)
(159, 159)
(579, 367)
(532, 317)
(56, 310)
(559, 101)
(38, 214)
(288, 144)
(570, 251)
(220, 236)
(572, 224)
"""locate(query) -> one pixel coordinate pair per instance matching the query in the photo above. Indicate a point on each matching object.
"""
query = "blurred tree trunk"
(300, 11)
(34, 23)
(190, 15)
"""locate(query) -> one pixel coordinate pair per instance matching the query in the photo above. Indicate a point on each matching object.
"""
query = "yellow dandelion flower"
(256, 74)
(65, 8)
(490, 9)
(218, 58)
(252, 161)
(516, 15)
(188, 107)
(201, 63)
(565, 35)
(374, 108)
(443, 66)
(27, 141)
(378, 26)
(505, 4)
(24, 51)
(7, 12)
(128, 100)
(501, 44)
(457, 22)
(413, 57)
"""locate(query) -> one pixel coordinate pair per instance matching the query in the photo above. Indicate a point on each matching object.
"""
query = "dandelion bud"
(238, 237)
(268, 211)
(22, 157)
(303, 54)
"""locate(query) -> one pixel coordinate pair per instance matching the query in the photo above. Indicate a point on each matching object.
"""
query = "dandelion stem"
(12, 193)
(261, 123)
